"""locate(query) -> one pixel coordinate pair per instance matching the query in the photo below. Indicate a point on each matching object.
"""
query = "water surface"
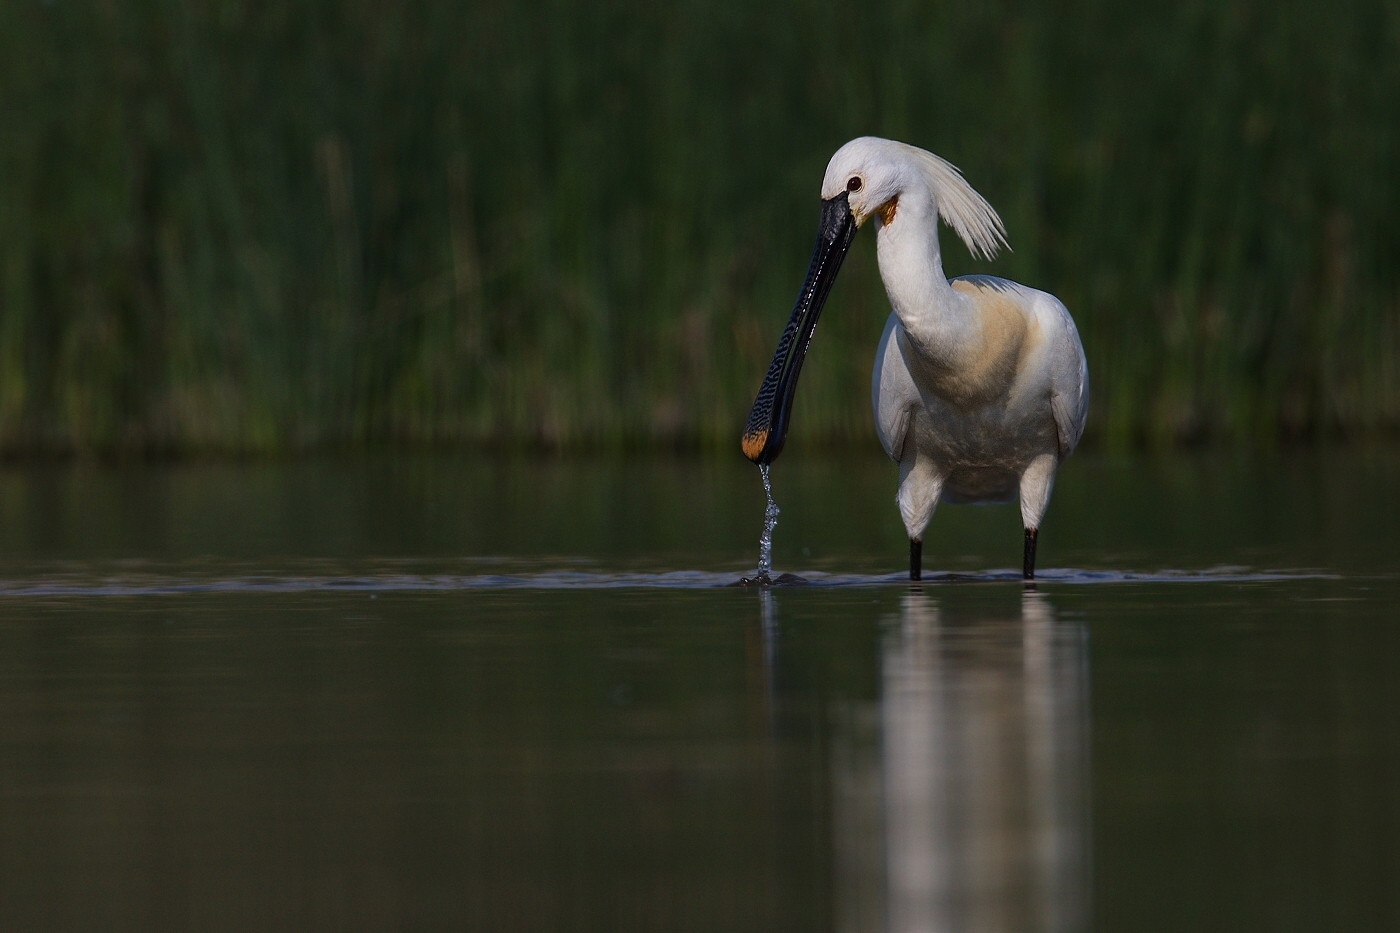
(511, 694)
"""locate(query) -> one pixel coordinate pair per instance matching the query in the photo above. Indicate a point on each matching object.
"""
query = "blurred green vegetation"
(263, 226)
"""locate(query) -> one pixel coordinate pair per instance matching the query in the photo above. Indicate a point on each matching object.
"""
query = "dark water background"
(504, 694)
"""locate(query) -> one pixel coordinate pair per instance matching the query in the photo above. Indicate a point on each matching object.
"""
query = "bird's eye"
(854, 184)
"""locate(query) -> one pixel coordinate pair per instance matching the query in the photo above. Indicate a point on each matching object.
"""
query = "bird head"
(872, 173)
(875, 172)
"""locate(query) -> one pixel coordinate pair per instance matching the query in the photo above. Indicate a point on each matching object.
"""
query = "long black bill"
(768, 420)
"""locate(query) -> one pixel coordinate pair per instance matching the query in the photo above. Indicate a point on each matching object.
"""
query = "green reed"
(241, 226)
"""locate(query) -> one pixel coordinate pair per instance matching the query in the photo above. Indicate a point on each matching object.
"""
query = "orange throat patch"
(886, 211)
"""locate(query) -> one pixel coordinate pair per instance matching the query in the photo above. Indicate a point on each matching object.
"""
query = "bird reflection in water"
(961, 803)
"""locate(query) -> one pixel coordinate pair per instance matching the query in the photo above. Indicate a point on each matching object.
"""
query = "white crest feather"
(961, 207)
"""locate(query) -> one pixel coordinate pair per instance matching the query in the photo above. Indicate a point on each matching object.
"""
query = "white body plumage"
(980, 386)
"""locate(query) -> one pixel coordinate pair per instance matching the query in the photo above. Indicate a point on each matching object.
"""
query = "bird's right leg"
(1036, 484)
(919, 487)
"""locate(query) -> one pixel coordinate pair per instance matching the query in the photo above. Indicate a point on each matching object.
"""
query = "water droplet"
(770, 521)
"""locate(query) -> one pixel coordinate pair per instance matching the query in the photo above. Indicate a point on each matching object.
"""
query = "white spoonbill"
(980, 385)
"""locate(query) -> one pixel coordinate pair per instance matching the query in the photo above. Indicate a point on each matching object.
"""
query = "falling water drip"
(770, 520)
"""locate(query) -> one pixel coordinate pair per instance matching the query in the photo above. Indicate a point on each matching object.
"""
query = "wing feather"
(1069, 382)
(893, 393)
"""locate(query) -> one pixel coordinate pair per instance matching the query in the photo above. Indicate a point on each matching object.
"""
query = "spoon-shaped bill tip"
(753, 444)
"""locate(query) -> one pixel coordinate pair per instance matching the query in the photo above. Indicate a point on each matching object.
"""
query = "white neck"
(938, 321)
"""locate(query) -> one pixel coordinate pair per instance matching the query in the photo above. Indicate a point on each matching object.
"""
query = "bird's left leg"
(920, 485)
(1036, 483)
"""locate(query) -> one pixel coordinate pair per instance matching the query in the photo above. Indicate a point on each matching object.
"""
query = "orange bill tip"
(753, 444)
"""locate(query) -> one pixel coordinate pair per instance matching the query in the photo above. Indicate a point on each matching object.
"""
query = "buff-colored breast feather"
(986, 369)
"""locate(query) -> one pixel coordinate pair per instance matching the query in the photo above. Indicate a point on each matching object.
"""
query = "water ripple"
(161, 585)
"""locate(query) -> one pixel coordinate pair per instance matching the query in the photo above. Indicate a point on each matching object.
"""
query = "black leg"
(1028, 555)
(916, 559)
